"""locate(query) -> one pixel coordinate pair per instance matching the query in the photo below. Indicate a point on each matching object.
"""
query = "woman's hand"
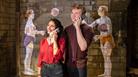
(39, 76)
(42, 33)
(53, 36)
(39, 69)
(54, 41)
(96, 37)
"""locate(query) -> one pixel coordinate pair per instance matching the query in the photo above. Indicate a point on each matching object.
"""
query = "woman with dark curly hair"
(51, 51)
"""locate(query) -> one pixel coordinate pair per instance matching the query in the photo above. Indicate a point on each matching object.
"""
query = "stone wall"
(95, 59)
(7, 38)
(132, 41)
(10, 35)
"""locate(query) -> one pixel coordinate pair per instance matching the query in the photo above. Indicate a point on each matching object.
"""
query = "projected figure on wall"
(106, 38)
(30, 32)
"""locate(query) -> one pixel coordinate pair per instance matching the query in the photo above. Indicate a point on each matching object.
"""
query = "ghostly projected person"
(30, 32)
(106, 39)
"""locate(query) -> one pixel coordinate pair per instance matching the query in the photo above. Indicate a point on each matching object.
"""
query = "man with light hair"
(79, 37)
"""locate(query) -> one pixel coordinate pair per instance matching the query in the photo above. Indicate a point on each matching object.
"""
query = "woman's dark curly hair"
(58, 25)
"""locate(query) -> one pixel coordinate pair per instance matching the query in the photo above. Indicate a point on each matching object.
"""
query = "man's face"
(76, 14)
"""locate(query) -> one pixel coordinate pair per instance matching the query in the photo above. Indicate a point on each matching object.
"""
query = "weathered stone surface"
(42, 10)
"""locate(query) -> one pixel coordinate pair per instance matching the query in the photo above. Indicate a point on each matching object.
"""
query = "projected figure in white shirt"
(105, 37)
(30, 32)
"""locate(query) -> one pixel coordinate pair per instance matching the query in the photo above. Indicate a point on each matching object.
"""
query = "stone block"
(93, 51)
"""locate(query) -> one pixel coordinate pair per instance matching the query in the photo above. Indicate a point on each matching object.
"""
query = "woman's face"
(101, 11)
(51, 26)
(31, 16)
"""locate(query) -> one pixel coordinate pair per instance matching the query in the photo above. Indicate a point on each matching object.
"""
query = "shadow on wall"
(4, 40)
(4, 55)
